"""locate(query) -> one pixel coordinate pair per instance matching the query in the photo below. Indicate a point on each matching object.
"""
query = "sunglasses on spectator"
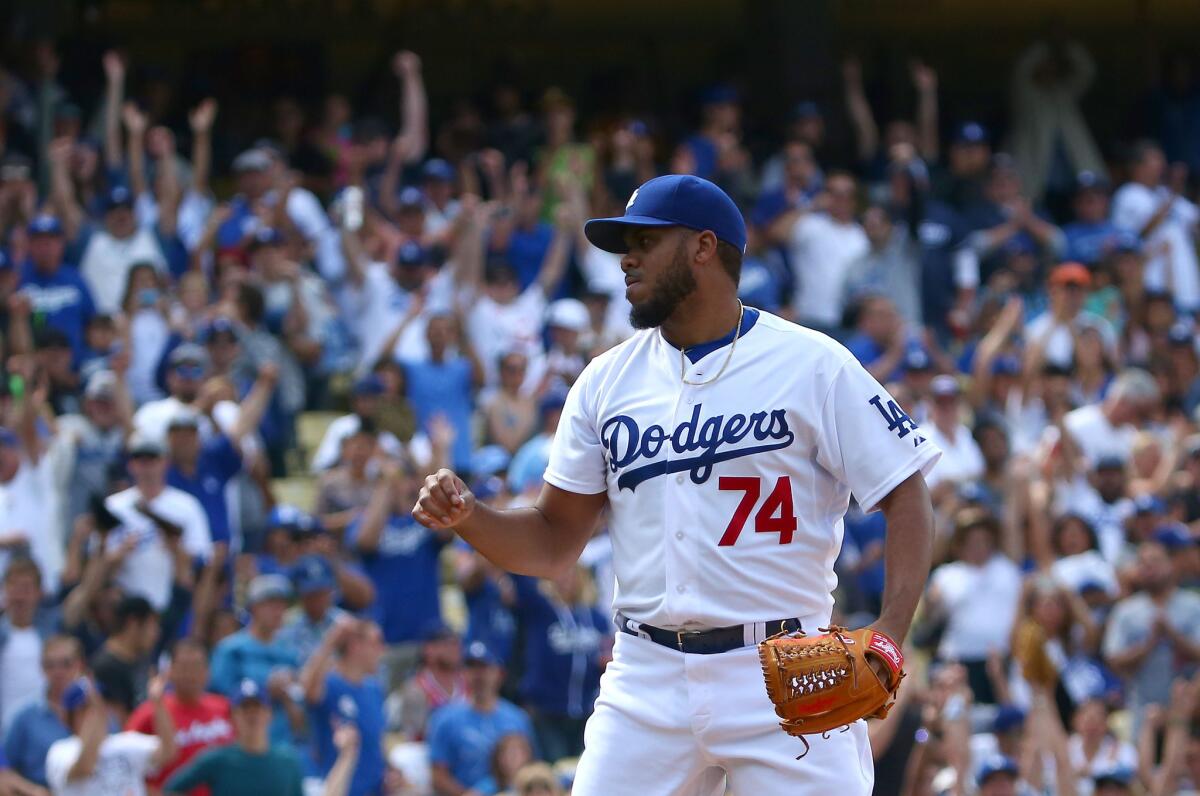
(58, 663)
(143, 455)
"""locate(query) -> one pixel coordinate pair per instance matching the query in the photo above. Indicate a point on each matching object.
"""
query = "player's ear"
(706, 249)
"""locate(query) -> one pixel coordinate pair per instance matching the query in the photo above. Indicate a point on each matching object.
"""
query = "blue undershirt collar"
(698, 352)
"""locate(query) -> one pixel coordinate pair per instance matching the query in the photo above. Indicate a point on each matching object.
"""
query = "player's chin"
(636, 292)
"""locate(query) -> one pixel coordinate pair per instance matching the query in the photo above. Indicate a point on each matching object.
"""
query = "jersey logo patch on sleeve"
(896, 418)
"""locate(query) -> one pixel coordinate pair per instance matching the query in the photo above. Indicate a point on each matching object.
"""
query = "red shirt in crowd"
(204, 723)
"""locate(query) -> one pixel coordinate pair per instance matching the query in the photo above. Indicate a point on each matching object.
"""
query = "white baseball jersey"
(727, 498)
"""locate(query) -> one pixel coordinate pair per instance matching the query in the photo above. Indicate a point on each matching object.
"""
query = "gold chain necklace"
(728, 357)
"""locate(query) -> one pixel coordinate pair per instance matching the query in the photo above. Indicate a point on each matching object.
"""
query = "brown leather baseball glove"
(823, 683)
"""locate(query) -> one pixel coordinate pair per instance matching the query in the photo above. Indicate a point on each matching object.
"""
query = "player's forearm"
(522, 541)
(908, 554)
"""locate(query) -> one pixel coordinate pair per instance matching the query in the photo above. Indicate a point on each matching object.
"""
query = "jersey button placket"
(681, 496)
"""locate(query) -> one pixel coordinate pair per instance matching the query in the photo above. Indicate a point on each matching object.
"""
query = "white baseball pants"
(673, 724)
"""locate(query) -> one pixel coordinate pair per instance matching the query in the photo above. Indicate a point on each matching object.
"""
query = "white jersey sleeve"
(577, 455)
(865, 440)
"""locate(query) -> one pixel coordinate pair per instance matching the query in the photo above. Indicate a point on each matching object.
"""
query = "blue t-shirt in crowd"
(562, 652)
(941, 233)
(360, 704)
(462, 739)
(62, 299)
(242, 655)
(864, 531)
(444, 388)
(219, 462)
(1090, 243)
(704, 153)
(404, 569)
(489, 620)
(527, 249)
(765, 281)
(29, 738)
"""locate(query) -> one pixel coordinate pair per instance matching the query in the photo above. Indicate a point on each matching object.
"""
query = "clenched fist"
(444, 502)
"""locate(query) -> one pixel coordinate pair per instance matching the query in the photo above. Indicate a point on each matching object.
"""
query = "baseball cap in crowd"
(189, 355)
(487, 488)
(806, 109)
(268, 587)
(76, 694)
(266, 236)
(1174, 536)
(1008, 717)
(917, 360)
(412, 255)
(1109, 462)
(970, 132)
(1149, 504)
(312, 574)
(118, 196)
(410, 196)
(944, 386)
(436, 630)
(101, 384)
(1071, 274)
(247, 691)
(370, 384)
(437, 169)
(489, 460)
(555, 399)
(1181, 333)
(668, 201)
(143, 445)
(184, 417)
(993, 765)
(568, 313)
(478, 652)
(45, 224)
(252, 160)
(217, 326)
(1114, 774)
(291, 518)
(1091, 181)
(1006, 366)
(719, 94)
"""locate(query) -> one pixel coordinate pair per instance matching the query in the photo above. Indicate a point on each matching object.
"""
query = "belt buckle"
(679, 634)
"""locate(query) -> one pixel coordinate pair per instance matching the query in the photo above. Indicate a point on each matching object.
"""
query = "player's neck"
(704, 319)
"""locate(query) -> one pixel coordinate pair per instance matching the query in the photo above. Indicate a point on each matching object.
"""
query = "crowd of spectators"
(170, 324)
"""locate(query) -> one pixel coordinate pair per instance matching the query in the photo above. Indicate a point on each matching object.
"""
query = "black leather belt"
(704, 642)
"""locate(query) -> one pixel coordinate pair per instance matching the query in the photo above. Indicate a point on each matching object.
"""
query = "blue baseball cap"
(1091, 181)
(312, 574)
(993, 765)
(1009, 717)
(218, 325)
(1114, 774)
(478, 652)
(45, 224)
(1006, 365)
(293, 519)
(412, 255)
(118, 196)
(489, 460)
(76, 694)
(411, 196)
(918, 359)
(370, 384)
(248, 690)
(1174, 536)
(675, 200)
(555, 399)
(438, 169)
(970, 133)
(1149, 504)
(806, 109)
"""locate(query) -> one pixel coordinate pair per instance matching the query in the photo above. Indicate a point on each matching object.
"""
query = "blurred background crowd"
(232, 343)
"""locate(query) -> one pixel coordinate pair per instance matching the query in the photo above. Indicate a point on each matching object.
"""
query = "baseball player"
(726, 443)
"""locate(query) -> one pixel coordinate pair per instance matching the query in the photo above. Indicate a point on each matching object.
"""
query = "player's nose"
(629, 262)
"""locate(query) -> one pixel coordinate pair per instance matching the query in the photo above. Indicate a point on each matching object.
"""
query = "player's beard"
(670, 289)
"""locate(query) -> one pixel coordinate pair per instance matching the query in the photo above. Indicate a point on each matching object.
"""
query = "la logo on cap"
(632, 198)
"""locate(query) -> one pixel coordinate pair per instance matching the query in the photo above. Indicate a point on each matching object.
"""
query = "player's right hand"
(444, 502)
